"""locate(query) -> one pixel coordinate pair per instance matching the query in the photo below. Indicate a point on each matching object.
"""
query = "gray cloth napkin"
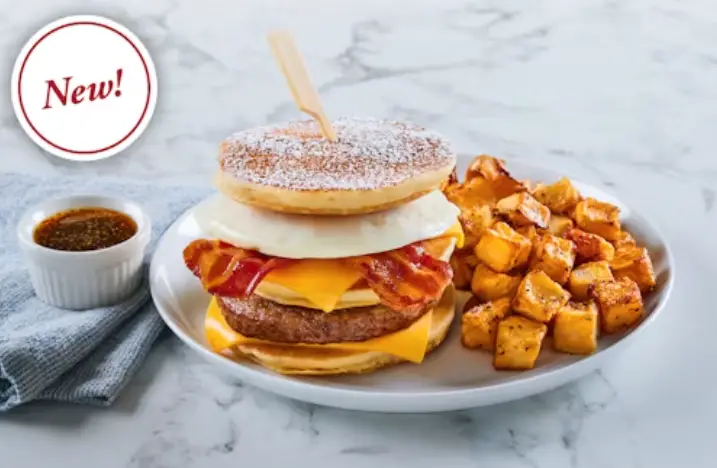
(80, 357)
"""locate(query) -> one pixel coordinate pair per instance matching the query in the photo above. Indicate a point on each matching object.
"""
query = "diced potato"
(598, 217)
(522, 209)
(502, 249)
(623, 240)
(620, 303)
(559, 225)
(590, 247)
(446, 186)
(586, 274)
(528, 184)
(463, 262)
(475, 220)
(528, 231)
(555, 256)
(634, 263)
(539, 297)
(479, 325)
(561, 196)
(494, 171)
(576, 328)
(518, 343)
(532, 234)
(455, 194)
(488, 284)
(524, 255)
(475, 192)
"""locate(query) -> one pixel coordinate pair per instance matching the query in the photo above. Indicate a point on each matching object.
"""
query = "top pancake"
(374, 165)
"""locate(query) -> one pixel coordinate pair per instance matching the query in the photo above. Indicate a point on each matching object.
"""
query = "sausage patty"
(260, 318)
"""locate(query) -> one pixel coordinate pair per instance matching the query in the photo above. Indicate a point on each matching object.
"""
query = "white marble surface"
(617, 93)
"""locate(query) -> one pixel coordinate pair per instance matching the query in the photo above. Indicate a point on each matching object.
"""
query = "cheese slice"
(456, 231)
(323, 282)
(409, 344)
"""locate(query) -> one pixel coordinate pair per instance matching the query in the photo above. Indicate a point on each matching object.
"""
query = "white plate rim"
(424, 401)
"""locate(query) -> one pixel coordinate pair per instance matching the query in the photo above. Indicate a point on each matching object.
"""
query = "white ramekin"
(84, 280)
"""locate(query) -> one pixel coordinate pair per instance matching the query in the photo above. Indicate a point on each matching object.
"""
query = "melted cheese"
(409, 344)
(323, 282)
(456, 231)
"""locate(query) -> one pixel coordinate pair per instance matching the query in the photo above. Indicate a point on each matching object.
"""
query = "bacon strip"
(405, 279)
(226, 270)
(408, 278)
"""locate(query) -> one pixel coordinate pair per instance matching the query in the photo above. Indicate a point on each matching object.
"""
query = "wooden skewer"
(292, 65)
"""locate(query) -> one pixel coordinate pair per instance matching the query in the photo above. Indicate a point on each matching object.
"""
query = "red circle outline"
(146, 72)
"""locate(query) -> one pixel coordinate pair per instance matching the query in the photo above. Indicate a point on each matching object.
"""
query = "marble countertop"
(617, 93)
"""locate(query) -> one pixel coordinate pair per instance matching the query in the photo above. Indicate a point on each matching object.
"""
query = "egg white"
(305, 236)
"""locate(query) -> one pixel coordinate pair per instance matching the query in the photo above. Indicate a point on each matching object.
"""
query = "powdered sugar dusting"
(369, 154)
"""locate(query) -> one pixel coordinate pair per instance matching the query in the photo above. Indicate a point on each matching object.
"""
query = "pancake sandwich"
(329, 257)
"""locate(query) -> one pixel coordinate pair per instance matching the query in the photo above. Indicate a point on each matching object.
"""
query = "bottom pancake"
(315, 360)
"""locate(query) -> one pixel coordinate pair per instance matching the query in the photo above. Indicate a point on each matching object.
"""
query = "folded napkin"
(81, 357)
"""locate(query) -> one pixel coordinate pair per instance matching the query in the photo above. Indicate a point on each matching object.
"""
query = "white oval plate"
(450, 378)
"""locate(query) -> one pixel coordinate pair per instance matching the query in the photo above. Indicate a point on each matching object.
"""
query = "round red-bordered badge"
(84, 88)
